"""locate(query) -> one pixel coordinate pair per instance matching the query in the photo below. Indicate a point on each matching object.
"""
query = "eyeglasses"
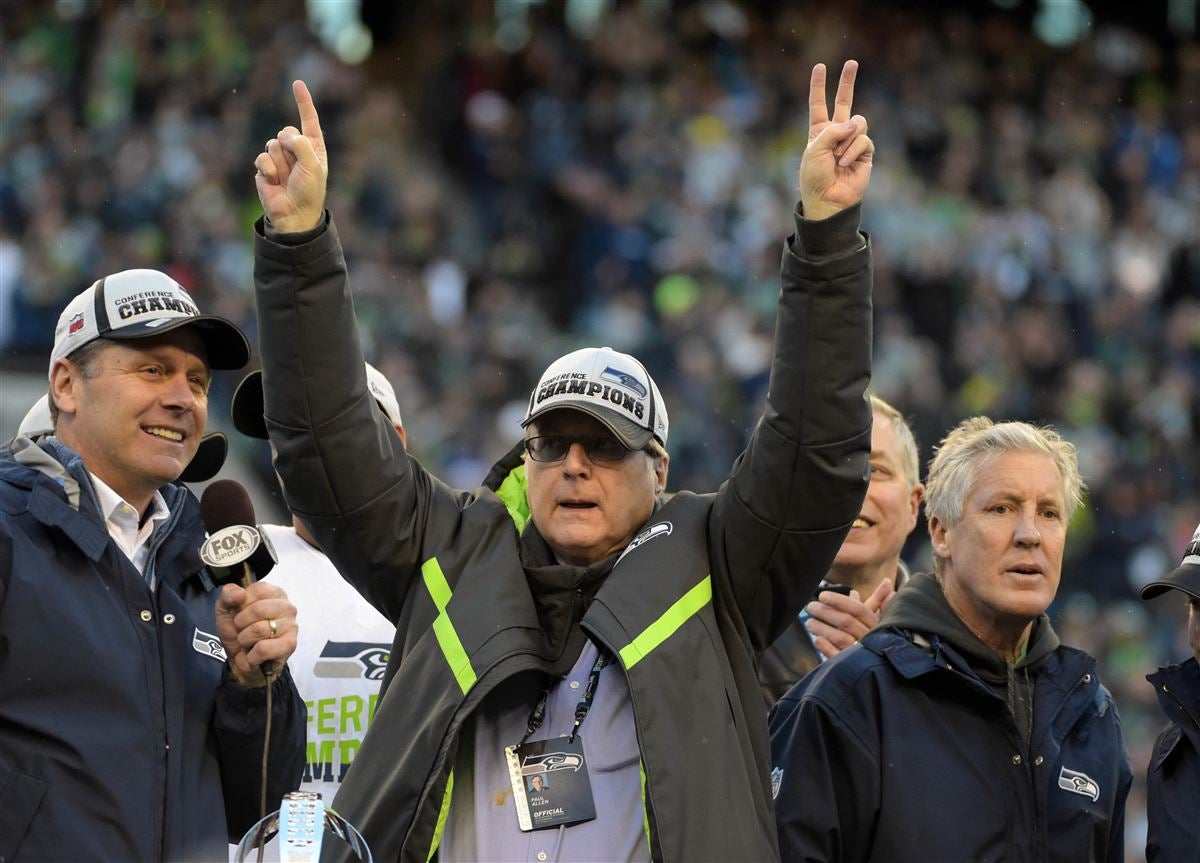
(554, 447)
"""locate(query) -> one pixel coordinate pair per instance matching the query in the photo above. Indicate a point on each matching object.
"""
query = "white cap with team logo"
(135, 304)
(611, 386)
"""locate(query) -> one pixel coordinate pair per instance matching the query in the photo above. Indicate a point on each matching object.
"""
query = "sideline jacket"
(706, 587)
(1173, 780)
(1015, 763)
(122, 735)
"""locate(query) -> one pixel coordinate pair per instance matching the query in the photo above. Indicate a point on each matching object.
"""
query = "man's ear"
(915, 496)
(64, 386)
(662, 466)
(939, 537)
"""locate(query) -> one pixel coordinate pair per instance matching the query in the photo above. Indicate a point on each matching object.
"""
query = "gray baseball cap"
(611, 386)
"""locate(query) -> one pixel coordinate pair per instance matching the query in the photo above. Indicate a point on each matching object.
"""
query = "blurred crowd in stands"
(1035, 213)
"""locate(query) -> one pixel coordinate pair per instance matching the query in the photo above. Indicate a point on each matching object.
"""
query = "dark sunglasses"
(554, 447)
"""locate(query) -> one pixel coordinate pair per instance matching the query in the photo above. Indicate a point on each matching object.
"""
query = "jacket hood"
(507, 480)
(922, 607)
(48, 457)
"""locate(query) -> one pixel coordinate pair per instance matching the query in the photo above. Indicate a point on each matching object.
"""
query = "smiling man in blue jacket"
(131, 701)
(961, 729)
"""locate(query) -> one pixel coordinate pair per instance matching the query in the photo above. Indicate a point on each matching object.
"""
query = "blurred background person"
(1173, 777)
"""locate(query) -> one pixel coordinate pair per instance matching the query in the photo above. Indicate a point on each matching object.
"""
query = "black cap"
(1185, 577)
(208, 460)
(246, 409)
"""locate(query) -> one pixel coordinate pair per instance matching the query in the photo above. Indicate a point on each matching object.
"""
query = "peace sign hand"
(836, 165)
(292, 170)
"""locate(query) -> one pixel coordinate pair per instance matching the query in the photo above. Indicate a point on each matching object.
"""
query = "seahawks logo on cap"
(616, 376)
(346, 659)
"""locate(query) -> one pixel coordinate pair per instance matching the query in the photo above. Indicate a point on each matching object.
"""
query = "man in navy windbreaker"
(1173, 779)
(132, 707)
(961, 729)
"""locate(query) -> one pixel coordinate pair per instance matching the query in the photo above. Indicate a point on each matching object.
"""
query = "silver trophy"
(299, 827)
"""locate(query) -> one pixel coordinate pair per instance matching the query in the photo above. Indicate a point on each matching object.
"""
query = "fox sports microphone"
(236, 550)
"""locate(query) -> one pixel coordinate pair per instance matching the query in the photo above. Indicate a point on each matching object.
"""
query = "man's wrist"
(828, 237)
(285, 234)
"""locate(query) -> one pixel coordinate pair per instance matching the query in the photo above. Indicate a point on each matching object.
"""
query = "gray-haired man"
(564, 617)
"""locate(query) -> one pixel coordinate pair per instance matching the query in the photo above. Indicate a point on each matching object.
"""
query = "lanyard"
(581, 709)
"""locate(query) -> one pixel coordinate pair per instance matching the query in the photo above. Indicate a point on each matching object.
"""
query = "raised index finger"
(818, 110)
(310, 124)
(845, 92)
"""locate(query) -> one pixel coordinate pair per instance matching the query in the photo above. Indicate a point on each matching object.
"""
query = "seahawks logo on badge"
(776, 781)
(550, 761)
(625, 379)
(344, 659)
(208, 644)
(1078, 783)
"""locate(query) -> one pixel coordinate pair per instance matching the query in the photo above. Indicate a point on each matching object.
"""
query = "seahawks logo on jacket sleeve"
(625, 379)
(1078, 783)
(353, 659)
(208, 644)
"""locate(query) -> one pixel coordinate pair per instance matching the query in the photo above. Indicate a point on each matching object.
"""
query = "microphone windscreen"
(224, 504)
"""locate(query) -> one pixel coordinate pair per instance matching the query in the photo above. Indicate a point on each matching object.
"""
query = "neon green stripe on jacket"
(443, 628)
(443, 814)
(666, 625)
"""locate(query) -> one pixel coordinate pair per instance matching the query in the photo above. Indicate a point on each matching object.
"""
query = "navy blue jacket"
(896, 751)
(122, 736)
(1173, 780)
